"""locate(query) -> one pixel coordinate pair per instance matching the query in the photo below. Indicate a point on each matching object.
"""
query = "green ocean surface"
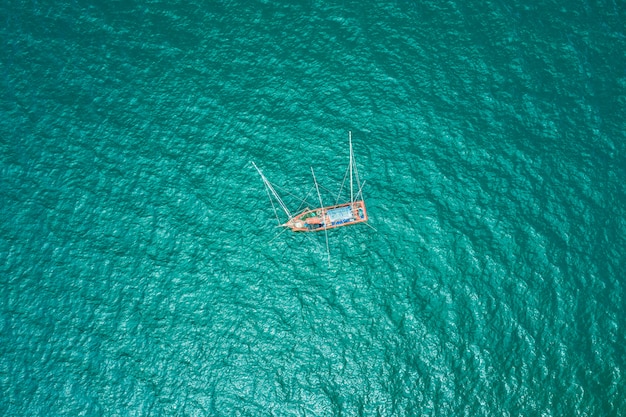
(141, 270)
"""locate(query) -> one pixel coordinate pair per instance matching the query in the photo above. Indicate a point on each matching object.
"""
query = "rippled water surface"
(141, 269)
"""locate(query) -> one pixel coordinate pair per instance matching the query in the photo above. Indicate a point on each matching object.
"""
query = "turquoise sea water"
(140, 266)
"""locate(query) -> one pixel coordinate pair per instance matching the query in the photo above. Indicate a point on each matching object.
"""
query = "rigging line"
(350, 166)
(369, 225)
(323, 213)
(361, 191)
(268, 193)
(272, 203)
(283, 190)
(304, 199)
(325, 189)
(274, 238)
(342, 184)
(271, 190)
(353, 165)
(356, 175)
(268, 184)
(279, 200)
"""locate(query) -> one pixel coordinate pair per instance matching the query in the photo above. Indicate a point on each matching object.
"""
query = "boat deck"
(328, 217)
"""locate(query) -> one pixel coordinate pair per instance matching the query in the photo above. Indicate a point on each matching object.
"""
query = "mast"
(270, 190)
(323, 214)
(351, 160)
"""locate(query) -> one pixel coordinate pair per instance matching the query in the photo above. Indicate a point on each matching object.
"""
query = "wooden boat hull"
(331, 217)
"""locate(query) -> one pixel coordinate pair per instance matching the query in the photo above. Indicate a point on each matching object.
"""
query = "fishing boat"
(324, 217)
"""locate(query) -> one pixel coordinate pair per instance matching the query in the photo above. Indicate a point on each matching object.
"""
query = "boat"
(315, 220)
(323, 217)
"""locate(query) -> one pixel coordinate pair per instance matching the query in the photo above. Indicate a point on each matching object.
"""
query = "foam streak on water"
(140, 267)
